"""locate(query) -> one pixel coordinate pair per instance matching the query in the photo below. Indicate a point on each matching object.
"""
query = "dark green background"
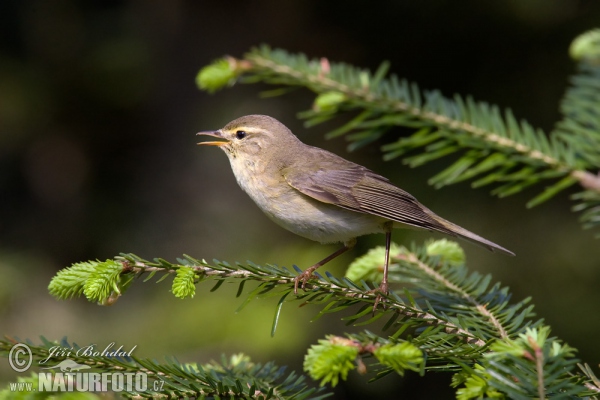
(98, 115)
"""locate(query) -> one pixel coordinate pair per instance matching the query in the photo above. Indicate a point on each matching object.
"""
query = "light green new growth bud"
(370, 266)
(400, 357)
(217, 75)
(184, 283)
(240, 358)
(329, 101)
(449, 251)
(70, 281)
(330, 361)
(475, 385)
(586, 46)
(103, 281)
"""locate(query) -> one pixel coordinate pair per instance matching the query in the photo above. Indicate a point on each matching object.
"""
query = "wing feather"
(358, 189)
(351, 186)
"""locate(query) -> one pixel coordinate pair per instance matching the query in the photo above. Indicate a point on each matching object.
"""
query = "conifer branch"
(442, 318)
(346, 292)
(234, 377)
(479, 306)
(260, 62)
(580, 125)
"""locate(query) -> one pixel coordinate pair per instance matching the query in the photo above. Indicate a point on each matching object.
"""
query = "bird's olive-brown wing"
(356, 188)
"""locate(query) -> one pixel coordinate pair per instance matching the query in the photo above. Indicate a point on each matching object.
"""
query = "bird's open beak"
(216, 134)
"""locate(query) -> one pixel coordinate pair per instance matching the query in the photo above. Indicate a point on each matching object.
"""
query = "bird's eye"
(240, 134)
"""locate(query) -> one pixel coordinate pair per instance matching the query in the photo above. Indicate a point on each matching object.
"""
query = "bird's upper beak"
(217, 134)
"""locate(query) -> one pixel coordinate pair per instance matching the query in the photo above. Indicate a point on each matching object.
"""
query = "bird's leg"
(383, 286)
(308, 273)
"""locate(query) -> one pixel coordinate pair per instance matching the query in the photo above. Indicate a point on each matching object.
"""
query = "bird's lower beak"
(216, 134)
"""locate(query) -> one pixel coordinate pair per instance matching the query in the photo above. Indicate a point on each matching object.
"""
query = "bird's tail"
(455, 230)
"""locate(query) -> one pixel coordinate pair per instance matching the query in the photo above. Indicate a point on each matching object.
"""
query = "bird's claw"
(304, 277)
(381, 291)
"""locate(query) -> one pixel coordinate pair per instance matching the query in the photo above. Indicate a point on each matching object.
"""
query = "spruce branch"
(362, 87)
(441, 281)
(580, 125)
(544, 366)
(533, 365)
(336, 294)
(234, 377)
(593, 383)
(441, 317)
(333, 358)
(479, 306)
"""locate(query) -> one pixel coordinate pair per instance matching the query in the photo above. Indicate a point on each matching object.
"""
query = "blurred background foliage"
(98, 115)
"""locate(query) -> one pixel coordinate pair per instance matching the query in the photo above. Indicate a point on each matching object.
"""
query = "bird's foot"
(381, 291)
(304, 277)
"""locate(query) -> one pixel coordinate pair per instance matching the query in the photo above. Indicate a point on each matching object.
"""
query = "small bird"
(319, 195)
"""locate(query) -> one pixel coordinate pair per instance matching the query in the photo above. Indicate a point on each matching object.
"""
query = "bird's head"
(253, 136)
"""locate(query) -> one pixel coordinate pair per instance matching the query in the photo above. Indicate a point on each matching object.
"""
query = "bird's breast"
(298, 213)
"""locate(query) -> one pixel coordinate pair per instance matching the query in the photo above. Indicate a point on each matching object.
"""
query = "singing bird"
(319, 195)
